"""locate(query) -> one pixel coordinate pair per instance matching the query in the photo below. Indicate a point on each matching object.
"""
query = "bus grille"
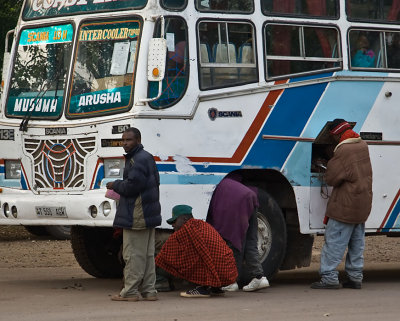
(59, 164)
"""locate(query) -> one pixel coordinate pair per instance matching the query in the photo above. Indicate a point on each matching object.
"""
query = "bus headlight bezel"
(113, 167)
(13, 168)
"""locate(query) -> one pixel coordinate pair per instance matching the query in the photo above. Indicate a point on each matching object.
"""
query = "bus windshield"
(104, 68)
(39, 75)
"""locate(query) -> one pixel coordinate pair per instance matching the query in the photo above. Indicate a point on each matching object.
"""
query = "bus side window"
(387, 11)
(227, 54)
(393, 49)
(365, 49)
(297, 50)
(173, 5)
(177, 68)
(231, 6)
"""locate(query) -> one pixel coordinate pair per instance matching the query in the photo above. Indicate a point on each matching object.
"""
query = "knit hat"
(179, 210)
(338, 126)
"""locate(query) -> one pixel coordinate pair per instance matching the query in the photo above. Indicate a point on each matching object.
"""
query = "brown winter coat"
(349, 171)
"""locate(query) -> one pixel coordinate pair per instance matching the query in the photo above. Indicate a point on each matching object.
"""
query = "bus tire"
(91, 247)
(59, 232)
(272, 237)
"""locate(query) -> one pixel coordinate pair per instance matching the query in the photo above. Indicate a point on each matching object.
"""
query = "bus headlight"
(93, 211)
(6, 209)
(13, 169)
(14, 211)
(106, 208)
(113, 168)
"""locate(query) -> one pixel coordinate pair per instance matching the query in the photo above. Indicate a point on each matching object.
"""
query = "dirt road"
(40, 280)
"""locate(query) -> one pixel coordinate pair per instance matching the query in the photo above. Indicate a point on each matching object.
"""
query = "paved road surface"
(68, 293)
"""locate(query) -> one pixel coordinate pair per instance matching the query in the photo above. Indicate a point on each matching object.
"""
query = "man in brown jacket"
(349, 171)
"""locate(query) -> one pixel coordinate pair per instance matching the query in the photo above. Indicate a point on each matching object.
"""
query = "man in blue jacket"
(138, 213)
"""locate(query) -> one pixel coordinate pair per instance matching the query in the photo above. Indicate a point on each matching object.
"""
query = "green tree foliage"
(9, 13)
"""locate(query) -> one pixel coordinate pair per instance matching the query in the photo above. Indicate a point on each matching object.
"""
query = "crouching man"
(197, 253)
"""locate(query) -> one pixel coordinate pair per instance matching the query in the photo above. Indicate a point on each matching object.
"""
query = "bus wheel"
(271, 236)
(96, 251)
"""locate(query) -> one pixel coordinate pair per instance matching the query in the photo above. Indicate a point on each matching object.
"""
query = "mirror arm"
(143, 100)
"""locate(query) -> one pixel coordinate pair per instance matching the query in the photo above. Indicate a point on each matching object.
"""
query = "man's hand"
(109, 185)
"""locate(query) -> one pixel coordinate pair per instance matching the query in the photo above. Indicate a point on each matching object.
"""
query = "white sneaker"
(231, 287)
(256, 284)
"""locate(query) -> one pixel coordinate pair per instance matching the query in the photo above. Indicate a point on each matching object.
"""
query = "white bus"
(215, 87)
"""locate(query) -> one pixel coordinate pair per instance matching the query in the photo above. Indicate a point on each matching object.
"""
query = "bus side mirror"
(156, 61)
(6, 61)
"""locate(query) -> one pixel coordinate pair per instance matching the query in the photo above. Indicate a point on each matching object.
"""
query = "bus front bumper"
(90, 208)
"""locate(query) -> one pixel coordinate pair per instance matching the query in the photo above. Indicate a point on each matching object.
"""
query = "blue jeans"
(338, 237)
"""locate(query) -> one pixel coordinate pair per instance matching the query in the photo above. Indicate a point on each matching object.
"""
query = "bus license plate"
(46, 211)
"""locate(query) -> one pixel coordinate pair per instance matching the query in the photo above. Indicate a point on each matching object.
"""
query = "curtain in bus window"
(39, 72)
(284, 6)
(293, 49)
(282, 40)
(104, 68)
(316, 8)
(394, 11)
(177, 68)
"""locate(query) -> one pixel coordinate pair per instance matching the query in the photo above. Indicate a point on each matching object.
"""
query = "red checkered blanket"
(197, 253)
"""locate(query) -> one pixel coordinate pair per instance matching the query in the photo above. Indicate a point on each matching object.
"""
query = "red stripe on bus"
(389, 211)
(248, 138)
(99, 161)
(25, 177)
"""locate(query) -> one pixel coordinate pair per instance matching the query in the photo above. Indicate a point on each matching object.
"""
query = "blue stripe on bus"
(338, 96)
(287, 118)
(13, 183)
(24, 185)
(99, 177)
(393, 218)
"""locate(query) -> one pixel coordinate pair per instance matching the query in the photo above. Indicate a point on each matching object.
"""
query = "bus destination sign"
(36, 9)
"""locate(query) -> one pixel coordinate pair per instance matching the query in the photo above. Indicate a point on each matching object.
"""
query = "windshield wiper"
(23, 126)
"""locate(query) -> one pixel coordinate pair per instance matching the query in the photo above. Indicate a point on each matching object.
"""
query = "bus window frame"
(120, 110)
(216, 65)
(174, 9)
(303, 16)
(301, 74)
(67, 75)
(166, 65)
(224, 11)
(382, 40)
